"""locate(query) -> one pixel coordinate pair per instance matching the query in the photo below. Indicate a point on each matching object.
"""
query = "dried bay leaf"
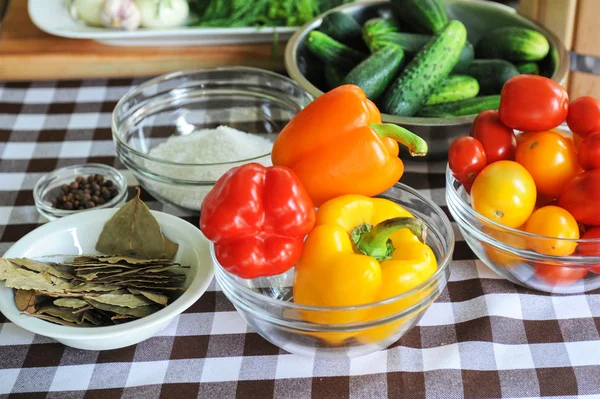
(125, 300)
(36, 282)
(70, 303)
(7, 268)
(171, 248)
(161, 288)
(159, 279)
(58, 320)
(112, 259)
(161, 299)
(61, 294)
(132, 230)
(122, 318)
(41, 267)
(63, 313)
(89, 287)
(154, 269)
(92, 318)
(139, 312)
(23, 298)
(83, 309)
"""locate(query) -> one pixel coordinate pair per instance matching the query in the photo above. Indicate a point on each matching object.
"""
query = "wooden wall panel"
(586, 29)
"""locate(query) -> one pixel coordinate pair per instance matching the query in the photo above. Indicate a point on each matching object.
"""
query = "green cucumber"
(377, 26)
(426, 71)
(528, 68)
(330, 51)
(513, 43)
(409, 42)
(491, 74)
(413, 42)
(334, 76)
(472, 106)
(341, 27)
(374, 74)
(454, 88)
(427, 16)
(466, 57)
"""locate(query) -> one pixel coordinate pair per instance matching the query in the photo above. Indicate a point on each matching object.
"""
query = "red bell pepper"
(257, 218)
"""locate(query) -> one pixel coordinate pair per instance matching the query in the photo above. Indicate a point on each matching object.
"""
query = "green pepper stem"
(375, 241)
(415, 144)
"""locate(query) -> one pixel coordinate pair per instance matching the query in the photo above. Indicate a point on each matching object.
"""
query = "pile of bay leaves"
(133, 277)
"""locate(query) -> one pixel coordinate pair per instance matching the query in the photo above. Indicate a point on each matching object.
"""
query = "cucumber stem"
(415, 144)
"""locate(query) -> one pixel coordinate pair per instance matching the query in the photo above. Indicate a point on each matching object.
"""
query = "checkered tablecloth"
(484, 337)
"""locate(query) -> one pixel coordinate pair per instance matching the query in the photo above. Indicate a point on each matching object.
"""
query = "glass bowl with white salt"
(178, 133)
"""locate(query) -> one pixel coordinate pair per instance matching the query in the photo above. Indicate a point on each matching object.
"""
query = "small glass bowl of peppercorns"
(79, 188)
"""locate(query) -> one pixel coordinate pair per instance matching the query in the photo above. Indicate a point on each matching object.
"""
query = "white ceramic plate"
(77, 234)
(52, 17)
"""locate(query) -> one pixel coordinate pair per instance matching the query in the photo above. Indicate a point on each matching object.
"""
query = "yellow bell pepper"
(362, 250)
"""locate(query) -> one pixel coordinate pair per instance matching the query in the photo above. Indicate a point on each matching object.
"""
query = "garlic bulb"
(163, 13)
(89, 11)
(120, 14)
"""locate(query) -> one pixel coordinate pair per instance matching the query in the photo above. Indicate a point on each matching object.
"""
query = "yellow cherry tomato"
(504, 192)
(499, 256)
(552, 221)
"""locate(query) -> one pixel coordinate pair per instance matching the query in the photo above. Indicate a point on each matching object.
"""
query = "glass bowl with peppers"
(364, 275)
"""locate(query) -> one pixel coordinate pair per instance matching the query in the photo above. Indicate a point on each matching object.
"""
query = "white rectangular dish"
(51, 16)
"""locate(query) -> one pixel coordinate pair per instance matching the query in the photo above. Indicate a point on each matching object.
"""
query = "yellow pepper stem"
(416, 145)
(375, 241)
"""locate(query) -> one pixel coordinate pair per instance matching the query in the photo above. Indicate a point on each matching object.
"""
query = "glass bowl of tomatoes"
(268, 304)
(530, 254)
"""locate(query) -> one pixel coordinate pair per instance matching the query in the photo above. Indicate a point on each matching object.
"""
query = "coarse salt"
(206, 146)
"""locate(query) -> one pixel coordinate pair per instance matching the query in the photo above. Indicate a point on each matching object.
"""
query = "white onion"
(163, 13)
(89, 11)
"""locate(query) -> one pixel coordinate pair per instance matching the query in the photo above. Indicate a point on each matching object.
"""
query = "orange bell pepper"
(337, 145)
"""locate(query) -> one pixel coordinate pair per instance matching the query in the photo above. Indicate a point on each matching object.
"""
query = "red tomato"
(533, 103)
(581, 197)
(577, 139)
(466, 158)
(499, 141)
(558, 275)
(544, 200)
(584, 116)
(589, 248)
(589, 152)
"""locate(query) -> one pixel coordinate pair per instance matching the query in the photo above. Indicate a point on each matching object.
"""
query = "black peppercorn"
(85, 193)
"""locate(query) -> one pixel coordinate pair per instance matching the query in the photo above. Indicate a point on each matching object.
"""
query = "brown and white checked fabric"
(484, 337)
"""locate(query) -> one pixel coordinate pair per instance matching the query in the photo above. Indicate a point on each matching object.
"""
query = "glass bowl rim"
(187, 72)
(453, 193)
(443, 265)
(112, 173)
